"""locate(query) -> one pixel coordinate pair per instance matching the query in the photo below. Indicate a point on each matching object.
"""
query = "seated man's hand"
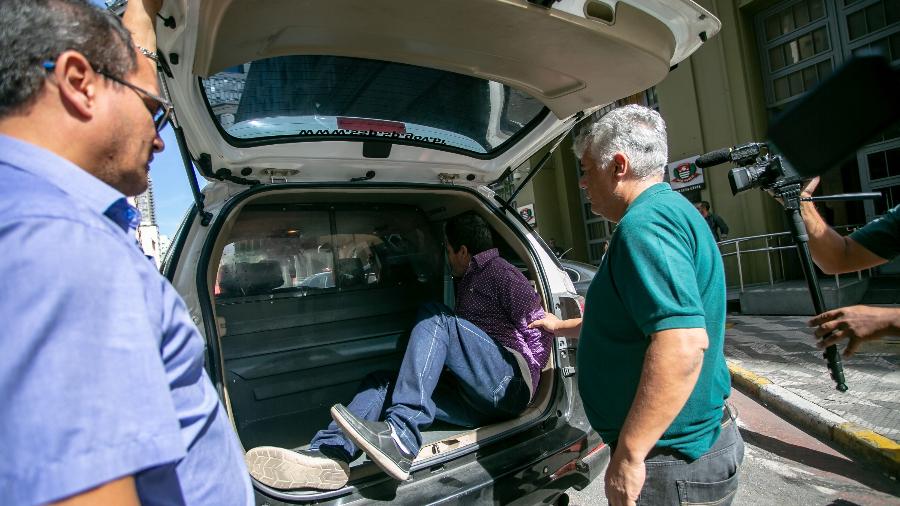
(549, 322)
(856, 323)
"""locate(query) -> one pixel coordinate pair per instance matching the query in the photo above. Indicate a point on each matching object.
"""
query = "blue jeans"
(484, 384)
(710, 480)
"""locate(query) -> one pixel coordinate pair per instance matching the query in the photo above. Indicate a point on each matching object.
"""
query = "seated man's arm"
(552, 324)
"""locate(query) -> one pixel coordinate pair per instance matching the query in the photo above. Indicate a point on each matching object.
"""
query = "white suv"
(338, 136)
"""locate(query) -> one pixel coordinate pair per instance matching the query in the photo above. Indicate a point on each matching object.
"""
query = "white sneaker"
(285, 469)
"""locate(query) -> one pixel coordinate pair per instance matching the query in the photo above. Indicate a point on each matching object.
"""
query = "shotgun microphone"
(713, 158)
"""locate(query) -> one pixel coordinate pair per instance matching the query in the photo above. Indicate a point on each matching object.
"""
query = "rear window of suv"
(329, 97)
(296, 250)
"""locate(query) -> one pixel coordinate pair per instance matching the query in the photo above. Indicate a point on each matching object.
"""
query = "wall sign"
(527, 214)
(684, 175)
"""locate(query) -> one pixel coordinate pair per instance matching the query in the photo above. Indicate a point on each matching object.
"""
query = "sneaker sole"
(385, 463)
(283, 469)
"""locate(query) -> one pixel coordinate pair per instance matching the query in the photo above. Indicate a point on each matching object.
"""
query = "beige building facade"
(767, 55)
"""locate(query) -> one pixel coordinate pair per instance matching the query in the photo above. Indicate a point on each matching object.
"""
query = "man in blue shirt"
(105, 399)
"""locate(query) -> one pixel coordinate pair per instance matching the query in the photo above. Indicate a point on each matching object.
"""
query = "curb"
(855, 440)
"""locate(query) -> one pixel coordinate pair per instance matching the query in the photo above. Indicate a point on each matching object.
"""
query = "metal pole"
(801, 238)
(781, 260)
(737, 251)
(769, 261)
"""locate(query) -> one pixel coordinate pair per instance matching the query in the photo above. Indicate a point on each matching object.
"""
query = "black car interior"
(313, 298)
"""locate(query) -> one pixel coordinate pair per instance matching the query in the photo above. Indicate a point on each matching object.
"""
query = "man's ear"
(78, 84)
(463, 250)
(621, 165)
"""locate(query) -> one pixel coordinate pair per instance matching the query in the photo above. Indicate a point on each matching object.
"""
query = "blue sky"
(171, 191)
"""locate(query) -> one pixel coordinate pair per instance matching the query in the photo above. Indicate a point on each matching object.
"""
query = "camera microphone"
(740, 155)
(713, 158)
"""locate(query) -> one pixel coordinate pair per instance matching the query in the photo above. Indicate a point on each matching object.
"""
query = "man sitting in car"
(494, 362)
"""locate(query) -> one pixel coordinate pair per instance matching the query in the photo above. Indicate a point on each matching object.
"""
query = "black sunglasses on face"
(161, 113)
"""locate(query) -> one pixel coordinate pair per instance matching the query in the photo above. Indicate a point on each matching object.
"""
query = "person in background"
(558, 251)
(717, 225)
(872, 245)
(654, 327)
(105, 398)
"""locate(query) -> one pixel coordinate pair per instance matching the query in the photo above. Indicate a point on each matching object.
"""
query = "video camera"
(755, 167)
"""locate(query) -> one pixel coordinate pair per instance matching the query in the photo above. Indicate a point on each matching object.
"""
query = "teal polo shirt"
(662, 271)
(882, 235)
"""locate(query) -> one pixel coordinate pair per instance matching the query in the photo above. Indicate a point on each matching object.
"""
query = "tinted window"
(329, 96)
(292, 250)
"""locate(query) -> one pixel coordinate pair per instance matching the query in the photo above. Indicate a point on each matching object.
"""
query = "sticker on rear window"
(375, 133)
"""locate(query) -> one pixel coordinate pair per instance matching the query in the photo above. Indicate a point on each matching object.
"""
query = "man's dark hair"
(705, 205)
(469, 230)
(33, 31)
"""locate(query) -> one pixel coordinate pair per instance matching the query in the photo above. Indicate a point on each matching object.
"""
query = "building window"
(796, 45)
(801, 42)
(787, 19)
(884, 164)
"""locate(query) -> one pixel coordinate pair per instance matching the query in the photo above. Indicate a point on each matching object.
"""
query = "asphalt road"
(784, 465)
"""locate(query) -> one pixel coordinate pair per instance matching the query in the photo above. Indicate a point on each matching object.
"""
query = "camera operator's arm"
(832, 252)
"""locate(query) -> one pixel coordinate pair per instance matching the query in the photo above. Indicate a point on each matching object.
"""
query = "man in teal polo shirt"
(651, 368)
(872, 245)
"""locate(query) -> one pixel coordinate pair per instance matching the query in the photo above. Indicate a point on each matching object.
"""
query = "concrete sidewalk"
(774, 360)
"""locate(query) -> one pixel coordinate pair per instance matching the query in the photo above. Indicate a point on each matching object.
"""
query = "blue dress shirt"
(102, 372)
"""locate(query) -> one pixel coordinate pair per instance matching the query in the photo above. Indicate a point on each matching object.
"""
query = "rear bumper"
(534, 470)
(583, 462)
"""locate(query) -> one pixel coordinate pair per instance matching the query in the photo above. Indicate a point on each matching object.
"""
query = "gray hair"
(34, 31)
(635, 130)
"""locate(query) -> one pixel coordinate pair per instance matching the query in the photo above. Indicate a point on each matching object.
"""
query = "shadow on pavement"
(824, 462)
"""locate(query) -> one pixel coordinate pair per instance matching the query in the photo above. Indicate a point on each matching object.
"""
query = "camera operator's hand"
(856, 323)
(810, 187)
(807, 190)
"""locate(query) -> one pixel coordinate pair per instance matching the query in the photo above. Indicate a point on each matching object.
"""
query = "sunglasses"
(161, 112)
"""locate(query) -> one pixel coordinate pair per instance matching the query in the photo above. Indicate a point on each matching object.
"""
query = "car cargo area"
(315, 289)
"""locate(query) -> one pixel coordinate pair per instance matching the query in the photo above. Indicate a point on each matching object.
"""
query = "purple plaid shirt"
(496, 296)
